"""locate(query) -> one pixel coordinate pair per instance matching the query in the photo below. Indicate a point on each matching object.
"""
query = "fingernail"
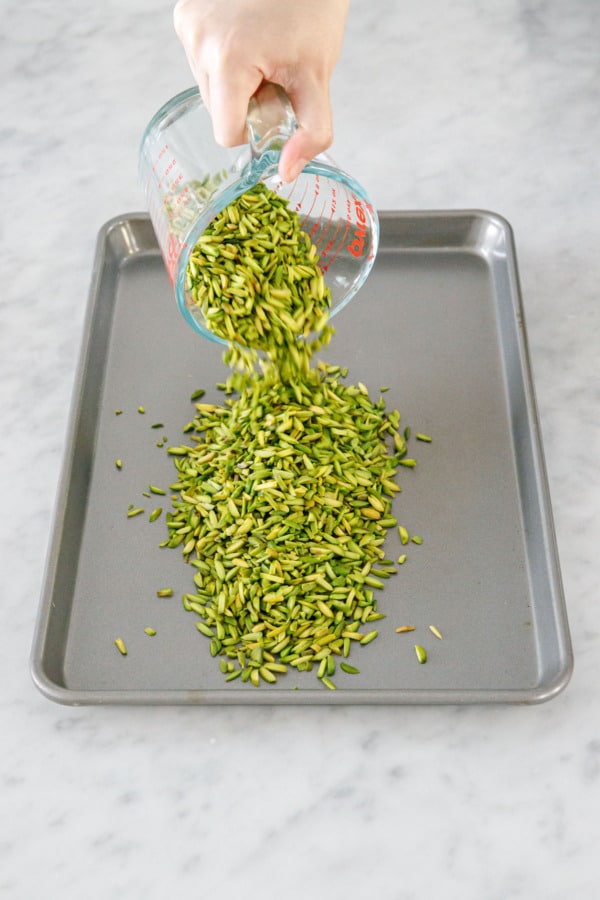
(295, 170)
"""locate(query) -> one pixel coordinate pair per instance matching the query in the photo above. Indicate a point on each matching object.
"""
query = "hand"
(233, 45)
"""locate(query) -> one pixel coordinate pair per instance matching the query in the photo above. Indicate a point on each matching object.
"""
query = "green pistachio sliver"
(435, 631)
(120, 645)
(416, 539)
(141, 410)
(369, 637)
(150, 631)
(164, 592)
(426, 438)
(119, 463)
(351, 670)
(155, 514)
(421, 653)
(134, 511)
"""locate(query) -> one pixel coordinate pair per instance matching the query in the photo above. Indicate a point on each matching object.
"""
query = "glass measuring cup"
(188, 179)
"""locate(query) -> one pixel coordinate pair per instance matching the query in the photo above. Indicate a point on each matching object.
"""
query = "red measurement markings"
(170, 166)
(160, 155)
(298, 205)
(329, 221)
(174, 247)
(339, 247)
(317, 187)
(327, 261)
(317, 224)
(327, 249)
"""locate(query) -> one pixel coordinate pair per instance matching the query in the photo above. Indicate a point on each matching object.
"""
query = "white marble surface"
(437, 105)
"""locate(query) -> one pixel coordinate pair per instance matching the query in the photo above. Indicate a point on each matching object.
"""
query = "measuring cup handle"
(271, 119)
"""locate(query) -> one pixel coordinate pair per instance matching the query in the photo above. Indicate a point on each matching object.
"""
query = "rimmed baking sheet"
(440, 323)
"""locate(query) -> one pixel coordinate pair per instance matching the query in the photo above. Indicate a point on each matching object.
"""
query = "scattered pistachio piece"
(421, 653)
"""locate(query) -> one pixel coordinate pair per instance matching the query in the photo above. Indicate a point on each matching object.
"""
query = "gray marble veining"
(436, 105)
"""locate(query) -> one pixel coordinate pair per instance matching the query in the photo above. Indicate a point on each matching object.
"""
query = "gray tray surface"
(440, 322)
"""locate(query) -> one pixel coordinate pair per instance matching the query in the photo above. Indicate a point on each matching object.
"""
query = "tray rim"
(63, 695)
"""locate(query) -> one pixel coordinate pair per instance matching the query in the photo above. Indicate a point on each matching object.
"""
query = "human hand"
(233, 46)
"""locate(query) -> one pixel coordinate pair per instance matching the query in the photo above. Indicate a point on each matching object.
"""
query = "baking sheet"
(440, 322)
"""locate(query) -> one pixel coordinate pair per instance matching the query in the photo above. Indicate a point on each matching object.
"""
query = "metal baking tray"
(440, 322)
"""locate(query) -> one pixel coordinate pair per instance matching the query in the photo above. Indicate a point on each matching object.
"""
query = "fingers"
(315, 131)
(218, 55)
(228, 105)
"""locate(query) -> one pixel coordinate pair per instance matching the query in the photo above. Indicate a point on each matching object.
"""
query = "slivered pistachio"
(351, 670)
(120, 645)
(165, 592)
(435, 631)
(369, 637)
(404, 535)
(150, 631)
(421, 653)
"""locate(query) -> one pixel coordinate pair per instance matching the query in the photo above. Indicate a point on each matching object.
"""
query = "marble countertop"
(437, 106)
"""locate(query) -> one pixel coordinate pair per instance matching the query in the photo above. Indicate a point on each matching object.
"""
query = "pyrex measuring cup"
(188, 179)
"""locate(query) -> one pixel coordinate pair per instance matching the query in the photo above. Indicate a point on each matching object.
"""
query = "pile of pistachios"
(283, 497)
